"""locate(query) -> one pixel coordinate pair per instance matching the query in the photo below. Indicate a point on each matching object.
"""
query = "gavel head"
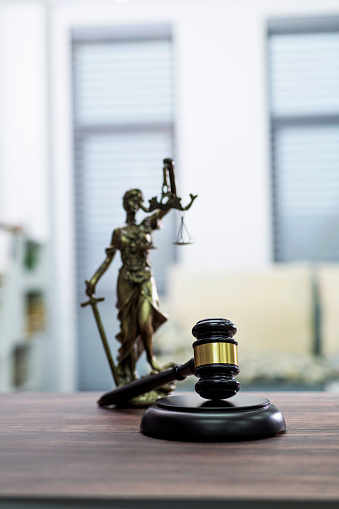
(215, 358)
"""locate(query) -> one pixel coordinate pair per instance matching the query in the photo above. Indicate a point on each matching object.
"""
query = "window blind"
(304, 107)
(304, 74)
(123, 128)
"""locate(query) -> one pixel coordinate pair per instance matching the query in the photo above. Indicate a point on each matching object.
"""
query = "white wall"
(221, 118)
(23, 119)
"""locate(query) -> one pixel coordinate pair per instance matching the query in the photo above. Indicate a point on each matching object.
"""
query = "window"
(123, 128)
(304, 109)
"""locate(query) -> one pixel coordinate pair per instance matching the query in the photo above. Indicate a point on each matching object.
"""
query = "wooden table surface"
(63, 447)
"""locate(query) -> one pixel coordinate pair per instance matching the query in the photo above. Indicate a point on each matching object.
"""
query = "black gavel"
(215, 363)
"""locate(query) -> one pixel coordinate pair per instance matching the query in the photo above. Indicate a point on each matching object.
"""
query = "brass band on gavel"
(215, 353)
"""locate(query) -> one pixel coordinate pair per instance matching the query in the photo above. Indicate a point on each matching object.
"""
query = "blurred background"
(244, 95)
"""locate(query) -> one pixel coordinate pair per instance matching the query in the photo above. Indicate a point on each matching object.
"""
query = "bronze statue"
(137, 298)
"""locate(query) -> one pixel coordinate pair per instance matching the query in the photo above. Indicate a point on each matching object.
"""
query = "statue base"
(190, 418)
(147, 399)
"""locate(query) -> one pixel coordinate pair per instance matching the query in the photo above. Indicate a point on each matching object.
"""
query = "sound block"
(190, 418)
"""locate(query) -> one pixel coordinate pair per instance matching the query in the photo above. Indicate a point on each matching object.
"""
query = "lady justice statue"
(137, 298)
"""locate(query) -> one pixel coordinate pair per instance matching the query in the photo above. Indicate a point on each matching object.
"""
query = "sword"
(93, 303)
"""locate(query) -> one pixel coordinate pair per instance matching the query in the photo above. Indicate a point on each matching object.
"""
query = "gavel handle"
(149, 383)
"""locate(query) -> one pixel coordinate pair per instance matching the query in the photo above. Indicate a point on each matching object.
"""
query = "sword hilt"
(91, 301)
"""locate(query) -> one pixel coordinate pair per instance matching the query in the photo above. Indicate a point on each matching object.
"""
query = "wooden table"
(61, 450)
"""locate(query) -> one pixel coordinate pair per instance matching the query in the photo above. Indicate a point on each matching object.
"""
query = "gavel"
(215, 363)
(216, 412)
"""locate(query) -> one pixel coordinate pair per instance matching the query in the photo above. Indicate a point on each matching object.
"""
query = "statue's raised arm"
(169, 198)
